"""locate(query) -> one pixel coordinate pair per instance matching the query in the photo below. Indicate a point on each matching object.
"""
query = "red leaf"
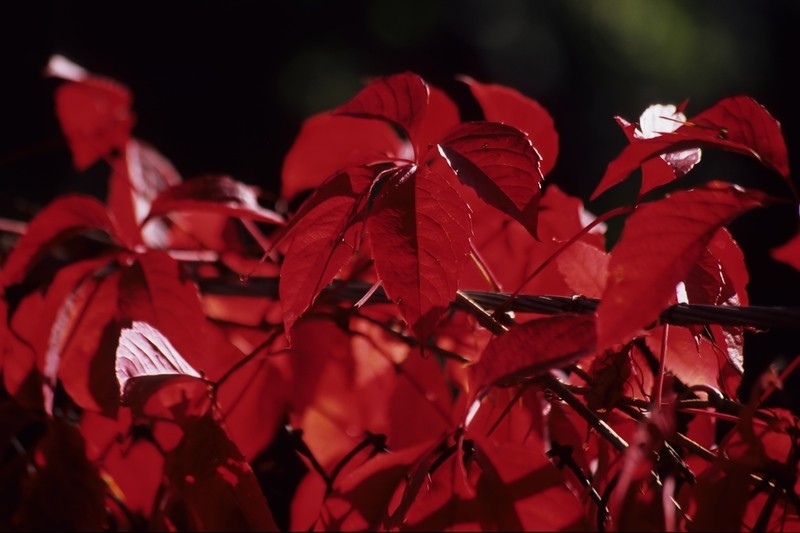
(324, 237)
(738, 124)
(585, 268)
(213, 194)
(361, 501)
(36, 325)
(742, 125)
(731, 263)
(61, 219)
(137, 178)
(499, 162)
(502, 487)
(509, 106)
(210, 485)
(96, 117)
(654, 121)
(401, 99)
(327, 144)
(419, 232)
(154, 289)
(81, 343)
(441, 116)
(534, 348)
(659, 245)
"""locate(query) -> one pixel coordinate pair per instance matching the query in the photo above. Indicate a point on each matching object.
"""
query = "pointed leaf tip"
(401, 99)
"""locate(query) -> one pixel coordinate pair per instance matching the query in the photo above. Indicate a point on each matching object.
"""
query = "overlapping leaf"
(328, 144)
(509, 106)
(322, 237)
(137, 177)
(533, 348)
(500, 163)
(419, 231)
(64, 217)
(211, 486)
(738, 124)
(660, 243)
(154, 289)
(401, 99)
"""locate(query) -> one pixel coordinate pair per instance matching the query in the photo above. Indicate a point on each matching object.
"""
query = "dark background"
(224, 86)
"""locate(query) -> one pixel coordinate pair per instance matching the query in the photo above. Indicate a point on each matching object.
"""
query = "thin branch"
(678, 315)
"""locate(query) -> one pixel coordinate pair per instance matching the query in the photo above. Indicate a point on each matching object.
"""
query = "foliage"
(180, 356)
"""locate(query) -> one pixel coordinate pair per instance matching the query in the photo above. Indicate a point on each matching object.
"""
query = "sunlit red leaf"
(329, 143)
(742, 125)
(95, 115)
(585, 268)
(211, 486)
(323, 239)
(64, 217)
(732, 264)
(419, 230)
(498, 237)
(401, 99)
(213, 194)
(737, 124)
(500, 163)
(421, 389)
(509, 106)
(254, 403)
(660, 243)
(534, 347)
(697, 361)
(131, 467)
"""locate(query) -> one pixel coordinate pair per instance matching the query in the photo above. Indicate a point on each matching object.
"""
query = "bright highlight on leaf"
(144, 351)
(737, 124)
